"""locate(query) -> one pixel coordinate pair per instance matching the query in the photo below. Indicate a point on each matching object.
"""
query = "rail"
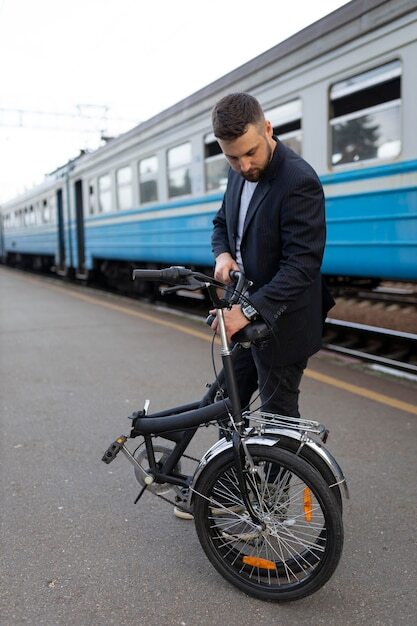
(386, 347)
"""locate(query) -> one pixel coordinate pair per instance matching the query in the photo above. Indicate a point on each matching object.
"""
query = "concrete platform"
(76, 550)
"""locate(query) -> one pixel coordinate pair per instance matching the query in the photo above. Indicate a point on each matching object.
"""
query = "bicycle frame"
(253, 520)
(164, 472)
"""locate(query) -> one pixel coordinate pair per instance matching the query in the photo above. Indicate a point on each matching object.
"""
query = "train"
(341, 92)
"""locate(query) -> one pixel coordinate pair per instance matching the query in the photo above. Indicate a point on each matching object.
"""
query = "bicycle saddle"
(254, 333)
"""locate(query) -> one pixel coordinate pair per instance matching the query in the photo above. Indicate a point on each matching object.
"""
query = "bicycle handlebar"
(179, 276)
(175, 274)
(241, 285)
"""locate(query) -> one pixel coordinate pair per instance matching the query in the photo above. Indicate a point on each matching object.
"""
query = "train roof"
(351, 21)
(347, 23)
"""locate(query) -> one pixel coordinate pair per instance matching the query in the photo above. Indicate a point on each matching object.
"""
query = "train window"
(91, 198)
(46, 212)
(365, 116)
(148, 179)
(216, 166)
(179, 171)
(124, 188)
(104, 193)
(286, 122)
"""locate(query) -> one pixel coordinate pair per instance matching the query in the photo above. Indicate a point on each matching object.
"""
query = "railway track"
(374, 344)
(382, 346)
(403, 296)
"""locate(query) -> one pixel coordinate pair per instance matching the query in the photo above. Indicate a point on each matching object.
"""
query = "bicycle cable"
(246, 300)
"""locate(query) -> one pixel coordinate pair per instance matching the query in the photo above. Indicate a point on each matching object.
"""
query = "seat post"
(229, 372)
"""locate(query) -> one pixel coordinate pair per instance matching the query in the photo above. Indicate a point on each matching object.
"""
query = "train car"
(341, 93)
(34, 234)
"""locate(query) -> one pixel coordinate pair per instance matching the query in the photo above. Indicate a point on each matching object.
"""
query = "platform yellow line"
(361, 391)
(309, 373)
(133, 313)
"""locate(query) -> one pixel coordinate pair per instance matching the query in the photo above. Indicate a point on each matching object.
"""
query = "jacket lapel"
(234, 191)
(264, 185)
(262, 188)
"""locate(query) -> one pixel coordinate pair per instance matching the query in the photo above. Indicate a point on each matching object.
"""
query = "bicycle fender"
(218, 448)
(281, 438)
(312, 451)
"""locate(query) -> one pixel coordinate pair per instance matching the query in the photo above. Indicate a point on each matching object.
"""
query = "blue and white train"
(342, 93)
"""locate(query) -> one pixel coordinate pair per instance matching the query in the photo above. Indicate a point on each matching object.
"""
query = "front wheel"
(297, 547)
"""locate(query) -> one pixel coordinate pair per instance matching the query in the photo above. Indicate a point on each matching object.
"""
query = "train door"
(79, 216)
(61, 232)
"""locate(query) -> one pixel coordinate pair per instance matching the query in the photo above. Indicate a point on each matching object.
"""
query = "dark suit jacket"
(282, 248)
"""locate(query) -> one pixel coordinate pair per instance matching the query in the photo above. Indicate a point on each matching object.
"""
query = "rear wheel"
(299, 544)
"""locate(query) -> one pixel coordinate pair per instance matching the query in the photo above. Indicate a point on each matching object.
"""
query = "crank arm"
(119, 446)
(114, 449)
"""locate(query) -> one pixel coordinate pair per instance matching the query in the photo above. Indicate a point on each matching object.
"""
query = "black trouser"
(278, 386)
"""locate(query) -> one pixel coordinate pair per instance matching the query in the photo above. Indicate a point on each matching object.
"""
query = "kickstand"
(140, 493)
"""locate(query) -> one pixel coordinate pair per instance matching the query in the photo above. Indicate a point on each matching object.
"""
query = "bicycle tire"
(291, 557)
(292, 445)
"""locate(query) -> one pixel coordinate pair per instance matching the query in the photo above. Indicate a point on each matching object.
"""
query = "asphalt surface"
(76, 551)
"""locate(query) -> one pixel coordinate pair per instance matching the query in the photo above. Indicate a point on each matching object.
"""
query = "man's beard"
(256, 174)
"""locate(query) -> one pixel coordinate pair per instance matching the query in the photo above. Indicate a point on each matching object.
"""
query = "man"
(271, 225)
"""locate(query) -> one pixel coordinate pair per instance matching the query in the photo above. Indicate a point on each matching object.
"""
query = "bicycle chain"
(185, 456)
(158, 495)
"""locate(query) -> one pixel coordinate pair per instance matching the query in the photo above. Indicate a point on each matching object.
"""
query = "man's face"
(249, 155)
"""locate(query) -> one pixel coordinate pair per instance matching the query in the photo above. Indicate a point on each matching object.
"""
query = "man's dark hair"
(233, 113)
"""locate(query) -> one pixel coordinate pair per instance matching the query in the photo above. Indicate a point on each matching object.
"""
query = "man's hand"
(224, 263)
(234, 320)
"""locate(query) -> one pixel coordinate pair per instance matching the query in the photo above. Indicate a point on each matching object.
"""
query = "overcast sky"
(134, 57)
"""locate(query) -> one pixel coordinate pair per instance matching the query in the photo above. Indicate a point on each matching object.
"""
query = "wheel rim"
(292, 547)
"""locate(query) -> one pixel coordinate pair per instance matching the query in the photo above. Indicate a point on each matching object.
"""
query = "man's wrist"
(249, 312)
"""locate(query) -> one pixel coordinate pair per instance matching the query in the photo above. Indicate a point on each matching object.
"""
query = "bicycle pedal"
(113, 450)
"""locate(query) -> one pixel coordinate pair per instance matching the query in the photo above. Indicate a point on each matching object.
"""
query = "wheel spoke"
(290, 548)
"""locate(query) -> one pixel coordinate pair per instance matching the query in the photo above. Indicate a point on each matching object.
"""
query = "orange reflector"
(308, 505)
(257, 562)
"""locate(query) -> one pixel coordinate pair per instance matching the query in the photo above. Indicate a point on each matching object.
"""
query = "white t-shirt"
(245, 198)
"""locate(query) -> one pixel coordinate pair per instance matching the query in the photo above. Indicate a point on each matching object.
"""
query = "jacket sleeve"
(303, 235)
(219, 238)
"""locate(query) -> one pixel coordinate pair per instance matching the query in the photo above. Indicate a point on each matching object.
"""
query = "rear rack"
(282, 421)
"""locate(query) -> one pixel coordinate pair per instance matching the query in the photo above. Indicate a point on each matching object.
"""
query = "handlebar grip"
(235, 275)
(241, 285)
(147, 274)
(173, 275)
(210, 319)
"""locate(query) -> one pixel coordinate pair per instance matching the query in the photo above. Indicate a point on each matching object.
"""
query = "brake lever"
(241, 286)
(165, 290)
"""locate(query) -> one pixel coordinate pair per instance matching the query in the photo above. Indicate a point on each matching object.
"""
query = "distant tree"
(356, 140)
